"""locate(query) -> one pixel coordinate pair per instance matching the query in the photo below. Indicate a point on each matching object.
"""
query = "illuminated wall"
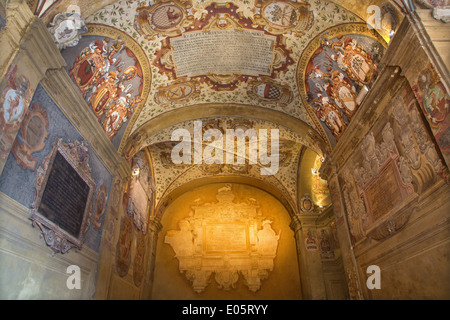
(281, 283)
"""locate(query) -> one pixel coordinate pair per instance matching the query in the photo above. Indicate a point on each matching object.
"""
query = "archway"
(225, 264)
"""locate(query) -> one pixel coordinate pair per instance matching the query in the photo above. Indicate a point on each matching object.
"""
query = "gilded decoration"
(266, 48)
(178, 91)
(268, 91)
(226, 239)
(265, 53)
(319, 190)
(104, 84)
(284, 16)
(163, 18)
(338, 65)
(113, 75)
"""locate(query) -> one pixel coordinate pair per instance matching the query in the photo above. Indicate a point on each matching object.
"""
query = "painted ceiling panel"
(168, 175)
(148, 68)
(165, 29)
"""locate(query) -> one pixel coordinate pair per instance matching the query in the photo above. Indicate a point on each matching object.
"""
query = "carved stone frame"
(60, 240)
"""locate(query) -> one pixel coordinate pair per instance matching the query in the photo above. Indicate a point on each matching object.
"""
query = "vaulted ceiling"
(147, 68)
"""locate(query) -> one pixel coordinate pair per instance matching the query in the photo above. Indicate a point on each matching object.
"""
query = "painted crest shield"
(268, 91)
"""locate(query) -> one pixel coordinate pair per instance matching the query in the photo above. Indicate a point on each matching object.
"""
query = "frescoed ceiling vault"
(147, 68)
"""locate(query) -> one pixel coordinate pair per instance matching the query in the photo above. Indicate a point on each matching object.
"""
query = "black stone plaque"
(65, 196)
(64, 191)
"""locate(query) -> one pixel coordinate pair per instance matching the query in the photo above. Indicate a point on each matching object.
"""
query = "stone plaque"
(229, 51)
(65, 196)
(226, 238)
(64, 191)
(384, 193)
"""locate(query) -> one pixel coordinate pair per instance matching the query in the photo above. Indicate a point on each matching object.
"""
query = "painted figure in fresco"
(138, 269)
(100, 206)
(327, 251)
(14, 101)
(343, 92)
(15, 97)
(436, 104)
(125, 242)
(310, 241)
(102, 78)
(133, 145)
(353, 59)
(356, 213)
(340, 67)
(123, 258)
(329, 113)
(118, 112)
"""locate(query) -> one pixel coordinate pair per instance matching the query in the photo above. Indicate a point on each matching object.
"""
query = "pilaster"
(354, 281)
(154, 227)
(311, 264)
